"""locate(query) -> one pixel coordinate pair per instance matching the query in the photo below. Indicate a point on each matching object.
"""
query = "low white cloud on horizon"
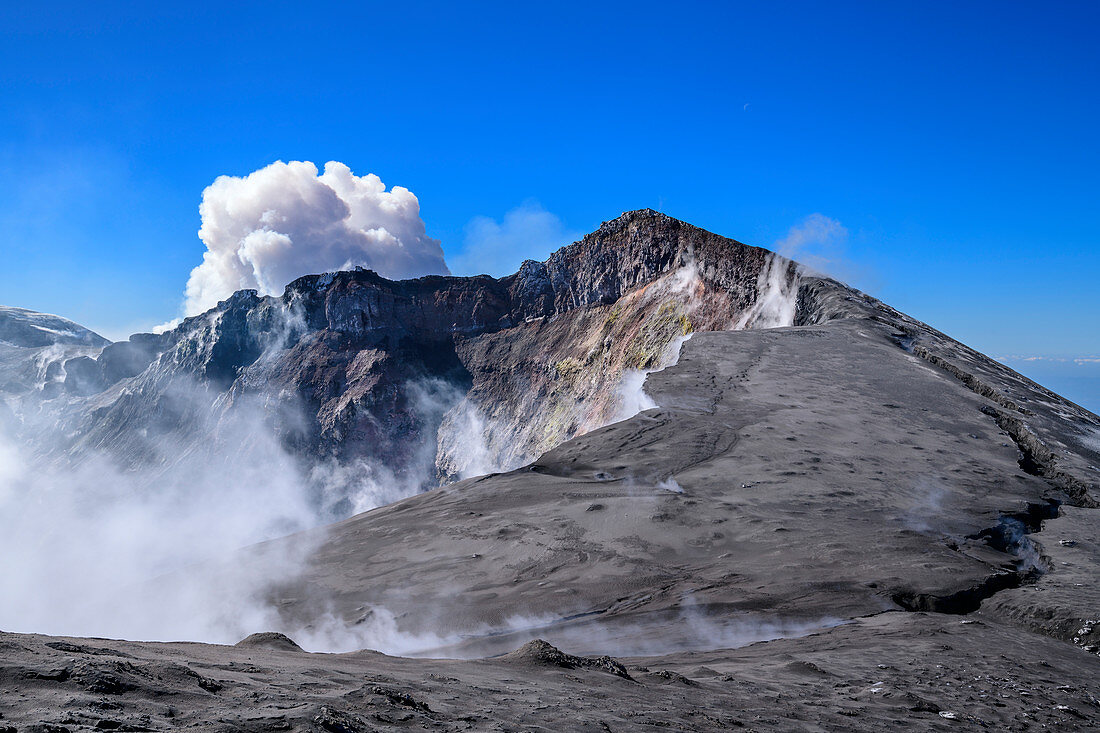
(285, 220)
(527, 232)
(1082, 360)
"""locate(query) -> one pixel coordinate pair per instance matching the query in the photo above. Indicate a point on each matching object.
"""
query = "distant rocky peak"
(30, 329)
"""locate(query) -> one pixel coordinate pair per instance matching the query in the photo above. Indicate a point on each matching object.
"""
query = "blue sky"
(955, 143)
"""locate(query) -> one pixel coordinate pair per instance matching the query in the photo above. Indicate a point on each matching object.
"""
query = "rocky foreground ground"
(893, 670)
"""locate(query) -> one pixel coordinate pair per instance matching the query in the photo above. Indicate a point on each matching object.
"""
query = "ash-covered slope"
(905, 529)
(788, 479)
(904, 671)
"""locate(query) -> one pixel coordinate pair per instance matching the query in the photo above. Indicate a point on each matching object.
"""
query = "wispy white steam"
(813, 242)
(498, 248)
(691, 628)
(631, 391)
(93, 549)
(776, 297)
(462, 439)
(79, 540)
(167, 326)
(283, 221)
(670, 484)
(777, 286)
(632, 396)
(379, 631)
(926, 513)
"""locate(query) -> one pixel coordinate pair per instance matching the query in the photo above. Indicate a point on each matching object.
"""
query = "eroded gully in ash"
(1011, 534)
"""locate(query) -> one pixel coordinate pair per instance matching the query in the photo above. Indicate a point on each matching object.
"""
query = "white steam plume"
(93, 549)
(812, 242)
(462, 440)
(777, 289)
(776, 297)
(285, 221)
(81, 540)
(690, 628)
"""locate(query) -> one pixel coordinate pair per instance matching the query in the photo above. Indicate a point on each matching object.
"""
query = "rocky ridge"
(350, 365)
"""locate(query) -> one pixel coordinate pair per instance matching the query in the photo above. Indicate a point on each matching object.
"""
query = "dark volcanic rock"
(337, 721)
(128, 358)
(270, 640)
(901, 669)
(83, 376)
(539, 652)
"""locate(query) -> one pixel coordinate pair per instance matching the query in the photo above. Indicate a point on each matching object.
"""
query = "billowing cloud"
(284, 221)
(498, 248)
